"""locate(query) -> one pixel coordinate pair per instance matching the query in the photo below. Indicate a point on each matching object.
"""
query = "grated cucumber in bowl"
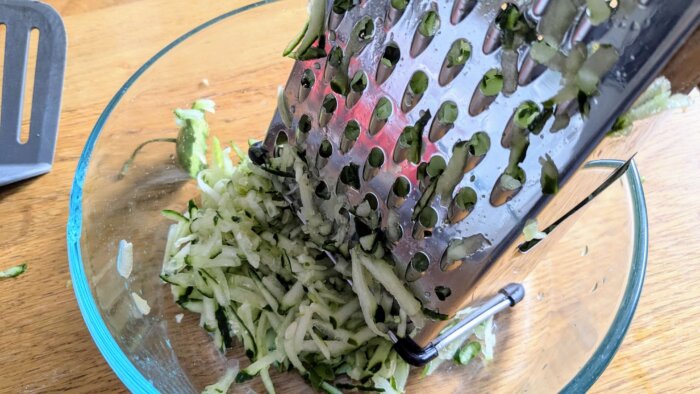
(241, 258)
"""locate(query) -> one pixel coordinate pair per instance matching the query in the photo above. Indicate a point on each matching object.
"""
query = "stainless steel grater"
(392, 53)
(34, 157)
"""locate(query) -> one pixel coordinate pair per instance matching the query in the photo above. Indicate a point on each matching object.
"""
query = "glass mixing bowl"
(583, 282)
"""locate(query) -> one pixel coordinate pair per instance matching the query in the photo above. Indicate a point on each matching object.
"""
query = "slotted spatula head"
(19, 160)
(433, 113)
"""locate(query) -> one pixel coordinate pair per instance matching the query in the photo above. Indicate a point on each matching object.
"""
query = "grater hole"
(330, 104)
(507, 186)
(462, 205)
(426, 31)
(442, 292)
(308, 79)
(387, 64)
(524, 115)
(456, 58)
(340, 7)
(530, 70)
(417, 86)
(282, 138)
(380, 115)
(303, 128)
(430, 171)
(322, 191)
(375, 160)
(29, 76)
(492, 40)
(420, 262)
(372, 201)
(409, 146)
(549, 176)
(460, 250)
(333, 63)
(444, 121)
(486, 92)
(350, 136)
(364, 29)
(399, 191)
(395, 11)
(427, 220)
(358, 85)
(461, 9)
(479, 145)
(325, 150)
(350, 176)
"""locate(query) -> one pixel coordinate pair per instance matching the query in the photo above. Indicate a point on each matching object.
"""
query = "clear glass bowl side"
(153, 353)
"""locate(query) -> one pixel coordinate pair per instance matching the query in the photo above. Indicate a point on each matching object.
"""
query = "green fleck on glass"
(492, 83)
(429, 24)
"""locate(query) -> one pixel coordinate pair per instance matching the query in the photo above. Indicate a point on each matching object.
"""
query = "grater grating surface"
(497, 216)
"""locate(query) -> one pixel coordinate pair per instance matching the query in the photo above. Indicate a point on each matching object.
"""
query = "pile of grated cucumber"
(257, 273)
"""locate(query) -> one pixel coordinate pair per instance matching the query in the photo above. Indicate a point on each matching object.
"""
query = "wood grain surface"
(45, 346)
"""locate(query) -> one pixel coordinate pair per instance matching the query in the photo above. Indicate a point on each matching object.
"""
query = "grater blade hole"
(399, 191)
(308, 79)
(375, 160)
(523, 117)
(417, 86)
(380, 115)
(330, 104)
(395, 11)
(303, 128)
(350, 136)
(322, 191)
(409, 146)
(479, 146)
(325, 150)
(444, 120)
(492, 40)
(507, 186)
(427, 220)
(340, 8)
(457, 56)
(428, 27)
(364, 29)
(387, 63)
(334, 62)
(282, 138)
(461, 9)
(417, 267)
(420, 262)
(430, 171)
(462, 205)
(486, 92)
(350, 176)
(372, 201)
(358, 85)
(530, 70)
(442, 292)
(460, 250)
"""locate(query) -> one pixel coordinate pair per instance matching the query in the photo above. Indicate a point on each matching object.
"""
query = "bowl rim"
(135, 381)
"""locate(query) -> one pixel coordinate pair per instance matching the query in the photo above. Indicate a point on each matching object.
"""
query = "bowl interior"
(582, 282)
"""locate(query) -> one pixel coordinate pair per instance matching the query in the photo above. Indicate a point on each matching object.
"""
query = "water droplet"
(426, 294)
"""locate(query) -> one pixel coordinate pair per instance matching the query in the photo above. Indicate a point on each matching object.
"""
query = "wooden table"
(44, 345)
